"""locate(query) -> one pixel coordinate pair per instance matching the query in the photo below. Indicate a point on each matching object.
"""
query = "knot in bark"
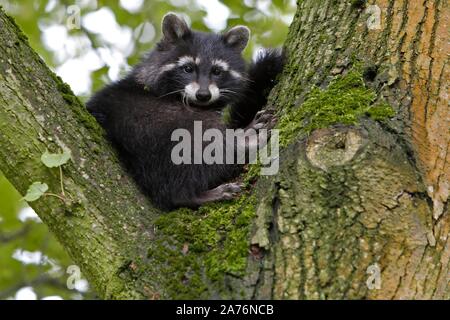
(332, 147)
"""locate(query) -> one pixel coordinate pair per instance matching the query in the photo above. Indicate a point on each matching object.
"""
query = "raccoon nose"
(203, 95)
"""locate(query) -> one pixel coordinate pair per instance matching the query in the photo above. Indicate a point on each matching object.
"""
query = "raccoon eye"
(188, 69)
(216, 71)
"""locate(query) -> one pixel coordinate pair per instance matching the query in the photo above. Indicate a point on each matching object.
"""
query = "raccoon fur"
(189, 76)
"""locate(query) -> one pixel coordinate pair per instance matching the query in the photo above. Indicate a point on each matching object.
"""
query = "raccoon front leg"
(262, 120)
(262, 77)
(258, 132)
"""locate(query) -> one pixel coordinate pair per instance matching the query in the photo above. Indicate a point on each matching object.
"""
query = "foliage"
(29, 254)
(53, 160)
(35, 191)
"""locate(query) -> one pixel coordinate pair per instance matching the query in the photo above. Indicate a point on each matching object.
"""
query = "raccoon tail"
(262, 76)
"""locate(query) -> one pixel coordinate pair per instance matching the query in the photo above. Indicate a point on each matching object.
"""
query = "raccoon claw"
(262, 115)
(263, 120)
(227, 191)
(230, 190)
(258, 125)
(232, 187)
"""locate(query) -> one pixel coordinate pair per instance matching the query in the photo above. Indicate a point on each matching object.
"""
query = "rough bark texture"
(39, 112)
(348, 200)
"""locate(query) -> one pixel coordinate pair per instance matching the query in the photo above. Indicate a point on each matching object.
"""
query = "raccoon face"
(207, 80)
(203, 69)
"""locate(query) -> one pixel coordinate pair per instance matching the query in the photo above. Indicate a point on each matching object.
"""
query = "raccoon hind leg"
(226, 191)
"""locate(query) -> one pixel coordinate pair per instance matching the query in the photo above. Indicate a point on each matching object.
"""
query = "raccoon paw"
(226, 191)
(230, 190)
(263, 120)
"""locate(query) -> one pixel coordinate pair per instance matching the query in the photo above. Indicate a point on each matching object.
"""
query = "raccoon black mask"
(202, 69)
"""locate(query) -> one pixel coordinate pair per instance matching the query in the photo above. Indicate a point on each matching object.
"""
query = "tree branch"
(37, 113)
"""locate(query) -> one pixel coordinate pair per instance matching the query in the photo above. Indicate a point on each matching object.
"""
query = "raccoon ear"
(174, 27)
(237, 37)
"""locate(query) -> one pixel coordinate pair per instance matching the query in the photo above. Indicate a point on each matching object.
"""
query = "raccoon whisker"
(226, 94)
(178, 81)
(246, 79)
(172, 92)
(228, 91)
(185, 101)
(229, 96)
(232, 97)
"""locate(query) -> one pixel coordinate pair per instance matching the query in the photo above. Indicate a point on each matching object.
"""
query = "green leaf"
(35, 191)
(53, 160)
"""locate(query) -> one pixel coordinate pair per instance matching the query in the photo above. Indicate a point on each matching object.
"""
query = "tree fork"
(348, 202)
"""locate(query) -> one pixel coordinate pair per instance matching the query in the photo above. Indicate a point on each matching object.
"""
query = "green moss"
(310, 74)
(74, 103)
(252, 174)
(18, 30)
(63, 88)
(212, 241)
(381, 111)
(344, 101)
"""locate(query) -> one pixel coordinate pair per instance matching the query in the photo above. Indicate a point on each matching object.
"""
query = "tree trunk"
(356, 211)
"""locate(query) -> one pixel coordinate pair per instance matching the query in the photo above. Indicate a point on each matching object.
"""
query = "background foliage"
(111, 36)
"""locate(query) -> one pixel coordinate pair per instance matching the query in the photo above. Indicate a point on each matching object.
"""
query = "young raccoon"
(190, 76)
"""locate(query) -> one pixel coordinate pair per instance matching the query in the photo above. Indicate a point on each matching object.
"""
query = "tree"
(357, 210)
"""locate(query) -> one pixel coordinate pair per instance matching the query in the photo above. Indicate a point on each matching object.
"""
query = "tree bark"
(356, 211)
(38, 112)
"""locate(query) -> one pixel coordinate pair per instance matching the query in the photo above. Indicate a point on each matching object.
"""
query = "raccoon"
(190, 76)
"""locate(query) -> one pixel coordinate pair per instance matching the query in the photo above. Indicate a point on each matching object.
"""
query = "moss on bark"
(344, 101)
